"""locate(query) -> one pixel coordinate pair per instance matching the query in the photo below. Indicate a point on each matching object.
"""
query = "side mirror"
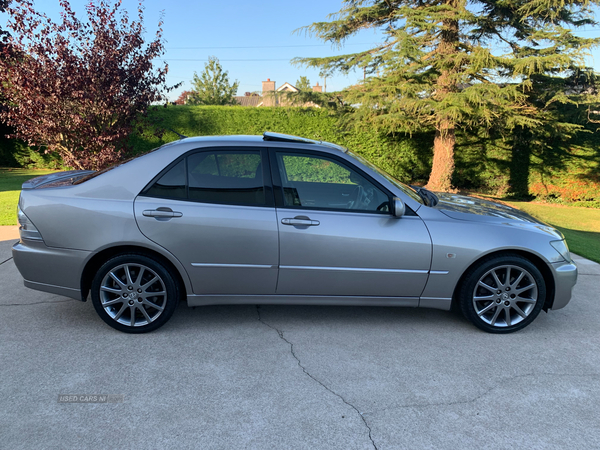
(398, 206)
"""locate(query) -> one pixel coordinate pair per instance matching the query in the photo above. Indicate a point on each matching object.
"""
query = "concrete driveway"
(295, 377)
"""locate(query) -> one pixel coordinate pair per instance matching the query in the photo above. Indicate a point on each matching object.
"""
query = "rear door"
(337, 234)
(213, 209)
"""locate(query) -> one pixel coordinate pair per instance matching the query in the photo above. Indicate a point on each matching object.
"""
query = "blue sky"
(253, 40)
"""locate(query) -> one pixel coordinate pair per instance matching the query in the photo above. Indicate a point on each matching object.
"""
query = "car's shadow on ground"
(314, 316)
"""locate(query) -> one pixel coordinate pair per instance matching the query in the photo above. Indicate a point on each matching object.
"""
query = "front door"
(337, 234)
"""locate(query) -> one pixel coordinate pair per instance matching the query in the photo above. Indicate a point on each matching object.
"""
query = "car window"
(310, 181)
(226, 177)
(171, 185)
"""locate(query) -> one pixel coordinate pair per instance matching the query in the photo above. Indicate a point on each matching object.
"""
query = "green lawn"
(10, 187)
(581, 226)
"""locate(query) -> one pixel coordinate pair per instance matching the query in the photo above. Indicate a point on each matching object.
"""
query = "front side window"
(310, 181)
(228, 177)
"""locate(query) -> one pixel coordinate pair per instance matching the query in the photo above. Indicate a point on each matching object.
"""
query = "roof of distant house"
(249, 100)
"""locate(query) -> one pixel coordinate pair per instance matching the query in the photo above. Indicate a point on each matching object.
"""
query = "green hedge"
(483, 164)
(407, 158)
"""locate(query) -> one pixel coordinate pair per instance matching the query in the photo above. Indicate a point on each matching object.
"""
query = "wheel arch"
(533, 258)
(94, 264)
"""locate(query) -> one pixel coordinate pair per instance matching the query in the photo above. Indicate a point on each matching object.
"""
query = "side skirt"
(202, 300)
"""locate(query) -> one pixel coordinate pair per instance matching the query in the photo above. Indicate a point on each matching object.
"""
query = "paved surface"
(279, 377)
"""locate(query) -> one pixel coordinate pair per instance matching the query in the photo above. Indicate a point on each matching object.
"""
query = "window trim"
(264, 161)
(278, 185)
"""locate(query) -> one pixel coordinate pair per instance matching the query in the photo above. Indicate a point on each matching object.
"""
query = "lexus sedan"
(278, 219)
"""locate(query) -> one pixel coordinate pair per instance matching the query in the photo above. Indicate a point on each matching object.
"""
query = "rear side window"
(171, 185)
(228, 177)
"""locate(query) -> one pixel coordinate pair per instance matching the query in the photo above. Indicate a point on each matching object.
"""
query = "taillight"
(27, 229)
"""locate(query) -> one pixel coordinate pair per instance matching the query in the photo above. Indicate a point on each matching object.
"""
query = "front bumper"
(47, 269)
(565, 277)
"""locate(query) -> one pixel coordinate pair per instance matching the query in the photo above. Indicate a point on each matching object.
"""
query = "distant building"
(269, 95)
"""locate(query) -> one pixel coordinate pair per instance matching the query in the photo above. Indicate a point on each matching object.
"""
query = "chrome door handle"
(161, 213)
(300, 220)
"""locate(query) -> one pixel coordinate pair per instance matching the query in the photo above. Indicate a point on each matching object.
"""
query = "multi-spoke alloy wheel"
(503, 294)
(134, 293)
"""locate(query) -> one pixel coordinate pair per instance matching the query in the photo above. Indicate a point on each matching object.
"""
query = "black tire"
(502, 294)
(134, 293)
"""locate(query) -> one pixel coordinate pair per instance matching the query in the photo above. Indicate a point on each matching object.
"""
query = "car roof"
(267, 136)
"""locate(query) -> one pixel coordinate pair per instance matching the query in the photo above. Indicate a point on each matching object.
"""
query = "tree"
(303, 84)
(212, 86)
(76, 87)
(451, 65)
(3, 33)
(183, 98)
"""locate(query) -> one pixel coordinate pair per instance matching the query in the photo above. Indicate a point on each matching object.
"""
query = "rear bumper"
(565, 277)
(47, 269)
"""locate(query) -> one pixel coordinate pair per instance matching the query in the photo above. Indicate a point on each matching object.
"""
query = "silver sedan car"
(278, 219)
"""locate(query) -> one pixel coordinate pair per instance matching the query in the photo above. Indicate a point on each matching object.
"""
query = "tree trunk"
(443, 159)
(445, 139)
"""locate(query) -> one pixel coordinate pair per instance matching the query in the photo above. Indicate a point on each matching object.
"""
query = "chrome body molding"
(354, 269)
(235, 266)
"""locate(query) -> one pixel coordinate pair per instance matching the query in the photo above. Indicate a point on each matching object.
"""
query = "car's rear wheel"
(503, 294)
(134, 293)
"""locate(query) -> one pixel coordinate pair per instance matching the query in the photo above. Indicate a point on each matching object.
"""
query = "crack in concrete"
(483, 394)
(589, 274)
(34, 303)
(7, 260)
(282, 337)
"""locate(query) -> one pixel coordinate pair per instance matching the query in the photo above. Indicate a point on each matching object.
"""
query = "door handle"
(161, 213)
(301, 221)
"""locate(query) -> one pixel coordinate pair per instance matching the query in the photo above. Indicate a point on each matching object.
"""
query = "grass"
(10, 187)
(581, 226)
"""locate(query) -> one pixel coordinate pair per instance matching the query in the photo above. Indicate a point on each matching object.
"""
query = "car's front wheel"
(503, 294)
(134, 293)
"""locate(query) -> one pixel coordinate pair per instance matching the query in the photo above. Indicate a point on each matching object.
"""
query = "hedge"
(482, 164)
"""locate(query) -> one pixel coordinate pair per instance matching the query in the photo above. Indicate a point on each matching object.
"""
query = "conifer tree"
(450, 65)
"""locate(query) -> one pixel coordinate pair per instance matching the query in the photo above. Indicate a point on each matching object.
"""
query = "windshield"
(403, 187)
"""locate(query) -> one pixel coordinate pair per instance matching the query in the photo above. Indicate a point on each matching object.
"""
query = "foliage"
(303, 84)
(435, 68)
(77, 88)
(212, 87)
(483, 164)
(183, 98)
(3, 33)
(401, 156)
(314, 170)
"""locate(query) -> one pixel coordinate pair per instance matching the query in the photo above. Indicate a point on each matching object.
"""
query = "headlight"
(562, 248)
(27, 229)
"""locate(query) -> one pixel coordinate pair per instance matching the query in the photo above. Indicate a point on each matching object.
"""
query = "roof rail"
(270, 136)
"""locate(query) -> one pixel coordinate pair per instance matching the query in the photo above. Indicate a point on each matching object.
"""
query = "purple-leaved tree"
(79, 87)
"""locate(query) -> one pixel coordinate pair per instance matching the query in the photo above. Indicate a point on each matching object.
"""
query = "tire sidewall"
(167, 278)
